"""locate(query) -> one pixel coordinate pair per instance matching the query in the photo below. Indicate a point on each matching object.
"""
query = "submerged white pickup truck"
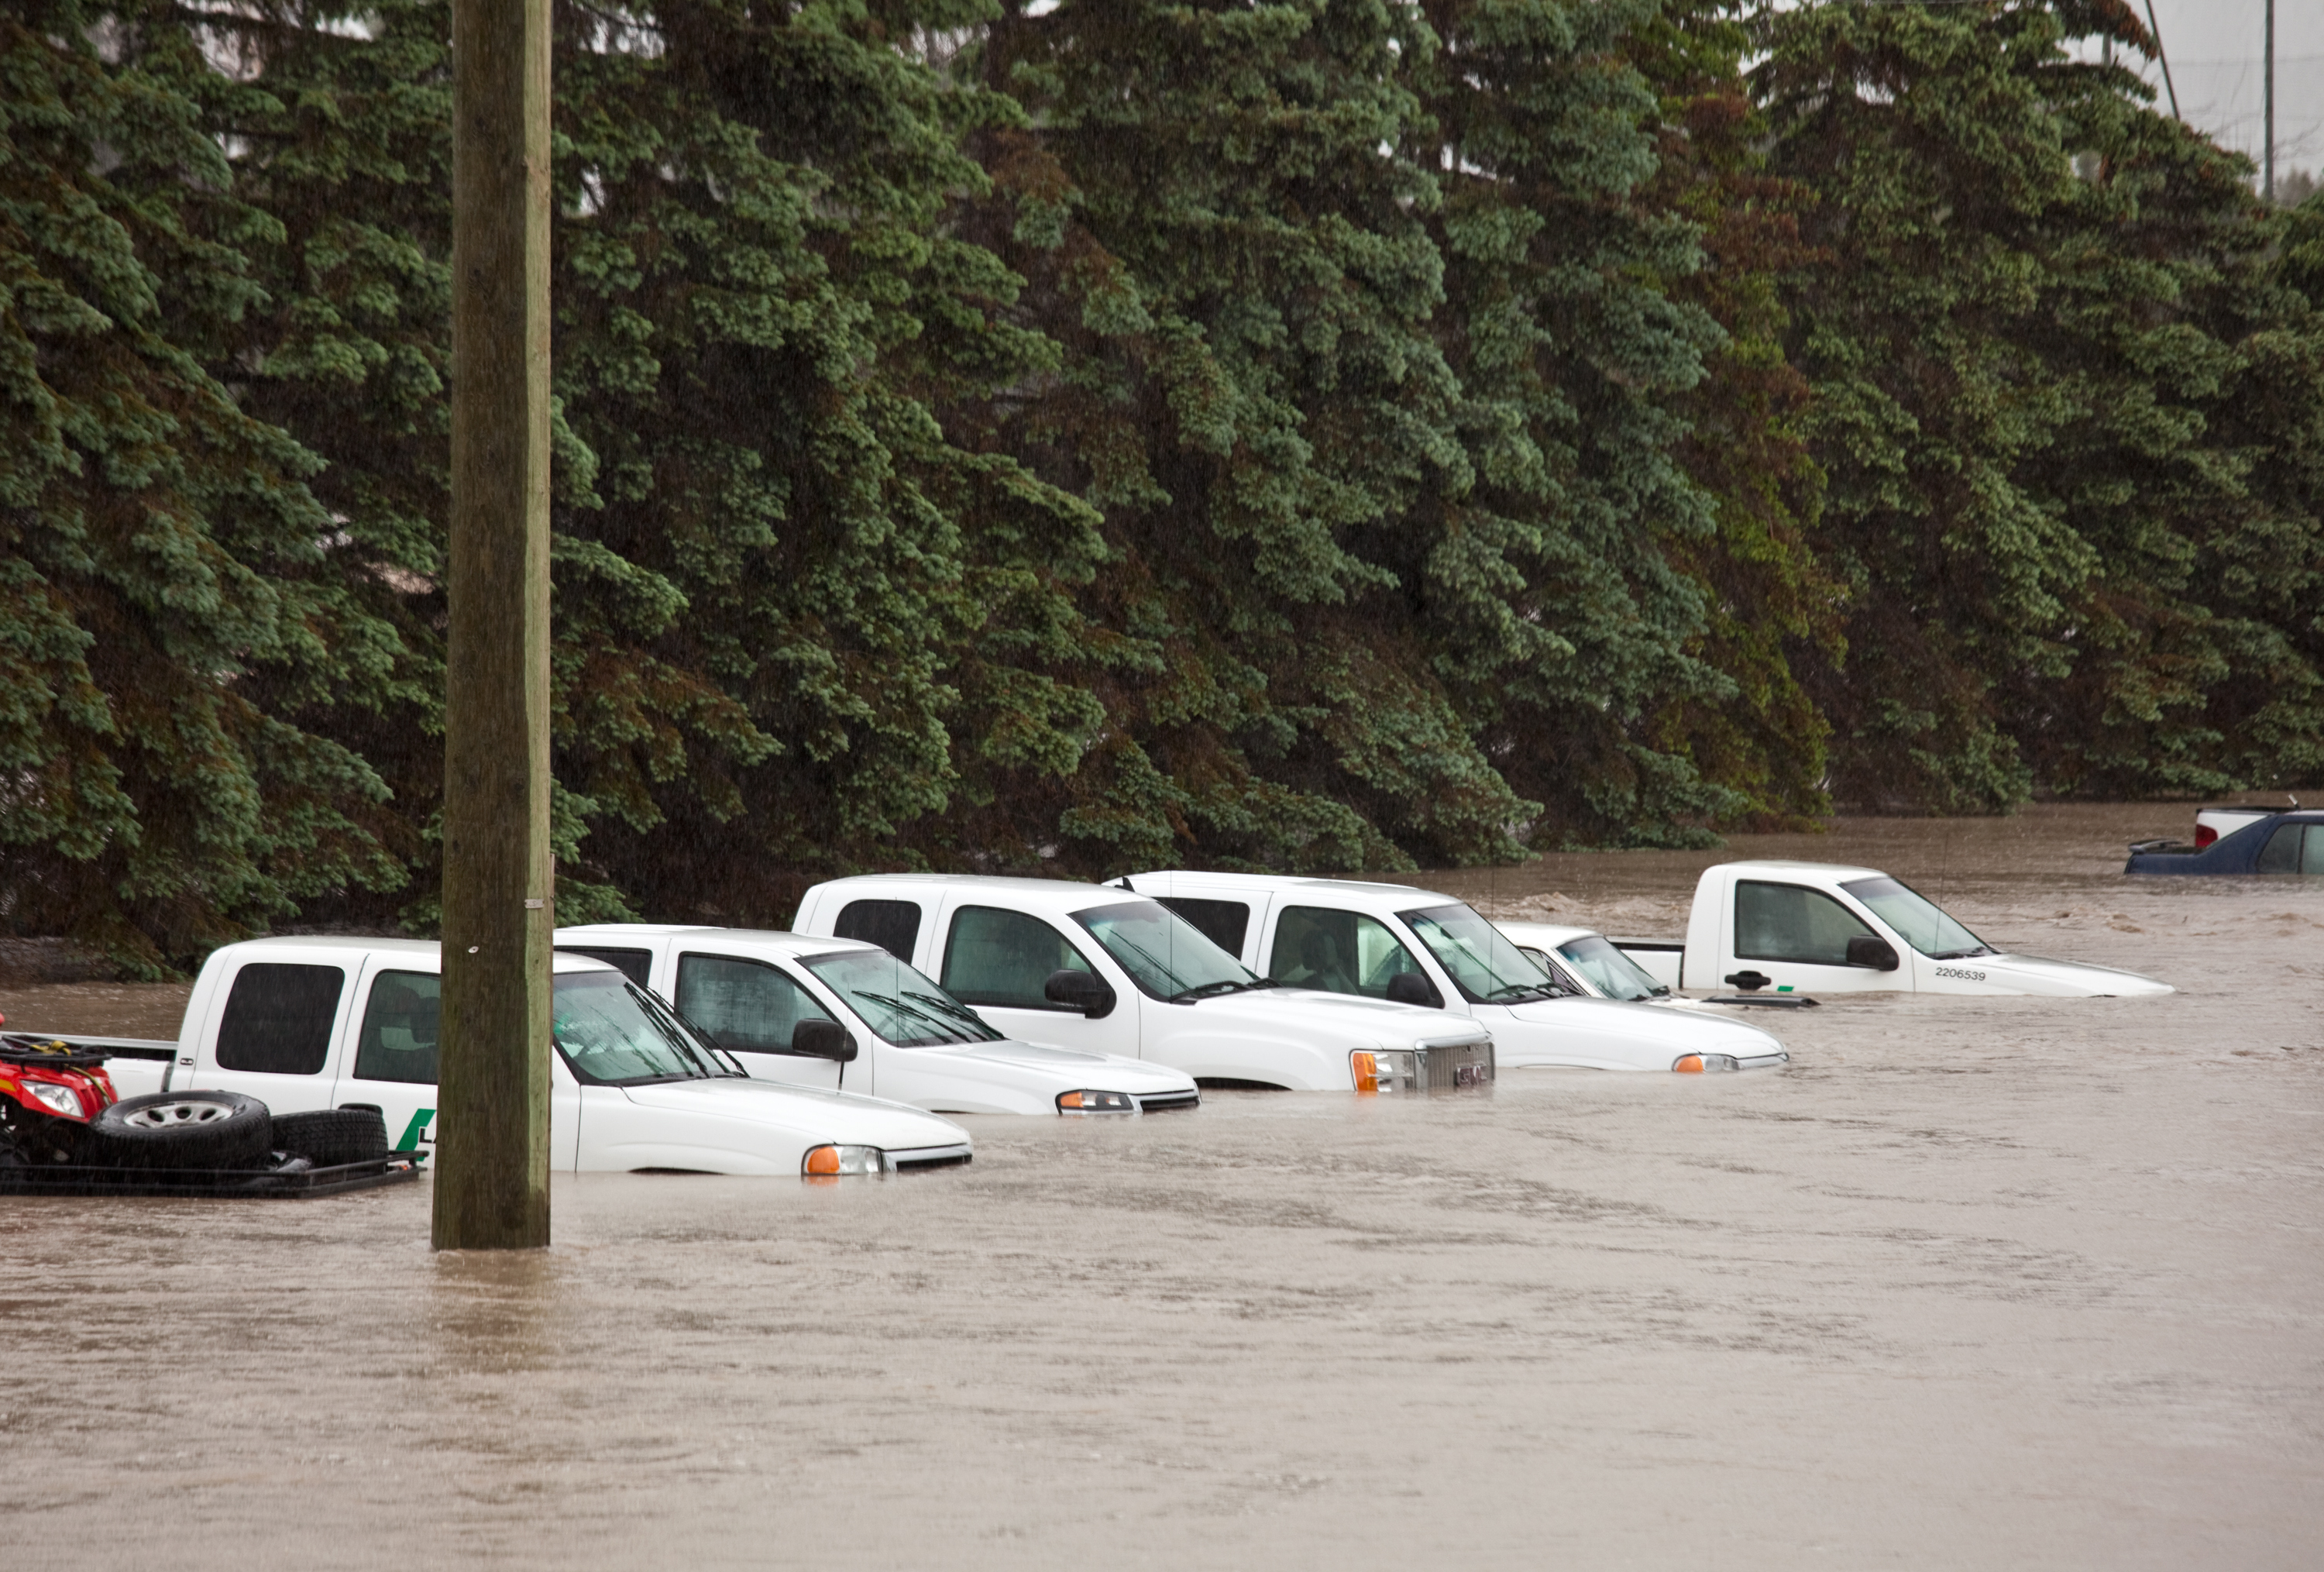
(1394, 941)
(304, 1024)
(1797, 928)
(1092, 967)
(845, 1013)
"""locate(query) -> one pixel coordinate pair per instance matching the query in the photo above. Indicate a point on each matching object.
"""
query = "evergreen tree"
(1221, 223)
(2060, 408)
(162, 558)
(1562, 592)
(767, 624)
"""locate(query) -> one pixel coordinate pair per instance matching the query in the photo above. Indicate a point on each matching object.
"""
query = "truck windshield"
(1486, 963)
(898, 1002)
(1165, 954)
(1918, 920)
(612, 1034)
(1610, 971)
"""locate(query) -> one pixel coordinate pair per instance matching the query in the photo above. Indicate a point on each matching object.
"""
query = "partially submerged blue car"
(2278, 843)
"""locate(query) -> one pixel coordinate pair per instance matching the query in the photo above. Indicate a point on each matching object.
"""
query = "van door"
(273, 1034)
(998, 961)
(753, 1007)
(393, 1065)
(1800, 937)
(392, 1062)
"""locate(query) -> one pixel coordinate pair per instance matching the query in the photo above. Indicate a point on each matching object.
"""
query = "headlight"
(1096, 1103)
(1695, 1064)
(823, 1160)
(60, 1099)
(1389, 1069)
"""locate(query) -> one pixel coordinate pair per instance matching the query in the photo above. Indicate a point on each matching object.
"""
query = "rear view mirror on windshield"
(823, 1039)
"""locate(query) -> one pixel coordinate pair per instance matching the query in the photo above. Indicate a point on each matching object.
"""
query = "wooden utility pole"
(2267, 166)
(491, 1180)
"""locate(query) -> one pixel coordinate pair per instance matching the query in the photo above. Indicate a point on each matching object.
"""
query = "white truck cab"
(1824, 928)
(305, 1023)
(1101, 968)
(1399, 942)
(902, 1037)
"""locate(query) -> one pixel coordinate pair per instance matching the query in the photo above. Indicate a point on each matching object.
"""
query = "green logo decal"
(417, 1132)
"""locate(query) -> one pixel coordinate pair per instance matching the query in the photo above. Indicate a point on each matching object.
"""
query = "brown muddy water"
(1975, 1282)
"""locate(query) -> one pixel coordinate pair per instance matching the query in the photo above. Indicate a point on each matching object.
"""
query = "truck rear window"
(893, 925)
(277, 1019)
(1225, 923)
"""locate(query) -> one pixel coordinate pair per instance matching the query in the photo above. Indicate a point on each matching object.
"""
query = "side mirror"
(1412, 988)
(822, 1040)
(1079, 991)
(1872, 953)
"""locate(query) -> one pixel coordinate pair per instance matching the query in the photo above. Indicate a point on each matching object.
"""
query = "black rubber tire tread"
(246, 1131)
(332, 1137)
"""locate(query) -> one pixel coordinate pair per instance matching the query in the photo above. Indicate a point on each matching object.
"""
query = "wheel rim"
(178, 1115)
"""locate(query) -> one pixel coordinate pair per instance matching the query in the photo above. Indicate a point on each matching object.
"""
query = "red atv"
(58, 1105)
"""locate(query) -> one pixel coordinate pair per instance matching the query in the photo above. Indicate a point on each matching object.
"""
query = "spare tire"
(182, 1130)
(332, 1137)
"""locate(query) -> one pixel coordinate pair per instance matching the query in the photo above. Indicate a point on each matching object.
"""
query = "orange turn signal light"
(1692, 1065)
(826, 1159)
(1069, 1099)
(1366, 1071)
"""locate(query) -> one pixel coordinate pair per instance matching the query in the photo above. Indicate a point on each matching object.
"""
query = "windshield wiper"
(902, 1008)
(1223, 986)
(1522, 992)
(1957, 955)
(958, 1011)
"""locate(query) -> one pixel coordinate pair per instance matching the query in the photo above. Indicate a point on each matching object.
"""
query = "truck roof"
(1786, 865)
(766, 941)
(419, 949)
(1256, 882)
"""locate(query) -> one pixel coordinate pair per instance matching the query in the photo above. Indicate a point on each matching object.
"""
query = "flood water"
(2000, 1282)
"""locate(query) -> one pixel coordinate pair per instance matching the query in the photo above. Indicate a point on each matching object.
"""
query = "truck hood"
(1350, 1020)
(2057, 979)
(1062, 1069)
(811, 1112)
(1615, 1034)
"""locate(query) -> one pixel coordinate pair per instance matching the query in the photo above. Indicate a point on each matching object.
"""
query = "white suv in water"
(1393, 941)
(1096, 967)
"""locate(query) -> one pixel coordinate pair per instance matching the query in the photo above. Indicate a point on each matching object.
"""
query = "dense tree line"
(1098, 434)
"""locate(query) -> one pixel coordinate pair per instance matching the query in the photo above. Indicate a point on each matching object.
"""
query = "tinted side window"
(2312, 861)
(749, 1006)
(893, 925)
(1340, 952)
(2282, 853)
(1784, 922)
(1003, 957)
(637, 965)
(277, 1019)
(397, 1042)
(1225, 923)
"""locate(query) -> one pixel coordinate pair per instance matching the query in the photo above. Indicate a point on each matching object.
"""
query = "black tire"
(182, 1130)
(332, 1137)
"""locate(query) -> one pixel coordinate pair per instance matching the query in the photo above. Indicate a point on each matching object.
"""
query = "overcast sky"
(2215, 48)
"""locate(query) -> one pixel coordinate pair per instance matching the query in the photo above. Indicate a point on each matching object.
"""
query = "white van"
(1092, 967)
